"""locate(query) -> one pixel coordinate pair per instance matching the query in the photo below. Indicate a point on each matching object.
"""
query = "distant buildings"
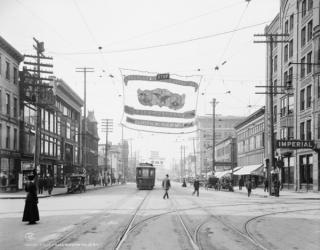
(224, 127)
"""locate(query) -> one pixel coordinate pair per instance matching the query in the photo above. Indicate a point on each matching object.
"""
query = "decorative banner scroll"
(165, 104)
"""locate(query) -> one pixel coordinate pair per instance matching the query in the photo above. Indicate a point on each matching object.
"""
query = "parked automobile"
(76, 183)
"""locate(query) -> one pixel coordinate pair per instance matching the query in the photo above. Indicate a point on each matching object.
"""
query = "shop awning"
(250, 170)
(223, 173)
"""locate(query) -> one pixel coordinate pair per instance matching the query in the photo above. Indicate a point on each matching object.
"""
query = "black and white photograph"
(159, 125)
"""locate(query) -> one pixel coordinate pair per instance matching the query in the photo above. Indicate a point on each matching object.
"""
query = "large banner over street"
(162, 103)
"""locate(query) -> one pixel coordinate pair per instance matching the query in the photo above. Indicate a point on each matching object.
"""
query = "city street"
(122, 217)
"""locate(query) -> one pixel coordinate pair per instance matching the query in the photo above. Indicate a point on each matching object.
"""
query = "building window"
(275, 64)
(15, 107)
(306, 169)
(282, 107)
(303, 36)
(309, 36)
(285, 78)
(8, 104)
(286, 27)
(291, 104)
(291, 22)
(302, 131)
(275, 83)
(15, 76)
(309, 62)
(308, 105)
(8, 137)
(308, 128)
(291, 48)
(303, 67)
(304, 8)
(318, 126)
(1, 134)
(275, 113)
(8, 70)
(286, 51)
(290, 76)
(302, 99)
(290, 133)
(15, 139)
(310, 5)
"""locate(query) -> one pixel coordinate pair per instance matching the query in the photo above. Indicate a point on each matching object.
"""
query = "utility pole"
(181, 163)
(271, 39)
(122, 154)
(214, 103)
(195, 158)
(84, 70)
(40, 92)
(107, 127)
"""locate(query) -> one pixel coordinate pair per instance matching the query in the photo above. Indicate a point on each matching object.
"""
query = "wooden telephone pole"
(84, 70)
(38, 91)
(107, 127)
(271, 39)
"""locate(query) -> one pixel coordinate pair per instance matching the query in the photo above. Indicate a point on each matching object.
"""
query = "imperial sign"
(295, 144)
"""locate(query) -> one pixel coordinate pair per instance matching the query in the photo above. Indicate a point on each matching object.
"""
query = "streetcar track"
(82, 227)
(246, 224)
(127, 230)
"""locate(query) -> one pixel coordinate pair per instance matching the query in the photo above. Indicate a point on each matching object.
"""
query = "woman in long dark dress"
(31, 212)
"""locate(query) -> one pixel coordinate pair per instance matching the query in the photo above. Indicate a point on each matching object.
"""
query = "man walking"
(166, 185)
(196, 185)
(249, 187)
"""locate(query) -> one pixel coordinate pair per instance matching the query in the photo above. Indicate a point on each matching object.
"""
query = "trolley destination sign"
(295, 144)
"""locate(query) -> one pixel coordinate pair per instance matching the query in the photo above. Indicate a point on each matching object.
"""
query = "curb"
(46, 196)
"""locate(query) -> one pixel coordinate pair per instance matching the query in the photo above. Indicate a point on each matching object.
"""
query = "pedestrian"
(45, 183)
(166, 186)
(31, 212)
(50, 185)
(249, 187)
(40, 185)
(266, 185)
(241, 184)
(276, 185)
(196, 185)
(184, 184)
(94, 182)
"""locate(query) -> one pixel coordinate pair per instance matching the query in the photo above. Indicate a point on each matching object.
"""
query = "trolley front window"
(145, 172)
(151, 172)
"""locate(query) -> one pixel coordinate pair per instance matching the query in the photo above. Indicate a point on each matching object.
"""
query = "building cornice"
(11, 50)
(260, 112)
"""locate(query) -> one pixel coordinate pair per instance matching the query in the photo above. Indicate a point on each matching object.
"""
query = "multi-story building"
(91, 149)
(224, 127)
(10, 59)
(226, 154)
(60, 134)
(250, 145)
(296, 98)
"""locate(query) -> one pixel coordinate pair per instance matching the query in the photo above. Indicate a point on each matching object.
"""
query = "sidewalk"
(283, 193)
(55, 192)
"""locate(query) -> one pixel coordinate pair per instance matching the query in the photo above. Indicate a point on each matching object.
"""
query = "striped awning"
(250, 170)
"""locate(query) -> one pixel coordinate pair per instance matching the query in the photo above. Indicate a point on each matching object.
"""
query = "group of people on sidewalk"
(249, 185)
(46, 184)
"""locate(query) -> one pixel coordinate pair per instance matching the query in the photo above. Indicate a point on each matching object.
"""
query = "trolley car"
(145, 176)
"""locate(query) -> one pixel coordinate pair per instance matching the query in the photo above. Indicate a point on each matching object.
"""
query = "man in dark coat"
(31, 212)
(166, 185)
(249, 187)
(50, 185)
(196, 185)
(40, 185)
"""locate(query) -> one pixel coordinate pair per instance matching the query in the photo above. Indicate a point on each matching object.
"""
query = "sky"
(211, 38)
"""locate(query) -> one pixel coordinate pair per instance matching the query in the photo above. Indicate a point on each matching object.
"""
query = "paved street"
(122, 217)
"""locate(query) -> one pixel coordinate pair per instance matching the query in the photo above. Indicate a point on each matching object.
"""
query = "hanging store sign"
(295, 144)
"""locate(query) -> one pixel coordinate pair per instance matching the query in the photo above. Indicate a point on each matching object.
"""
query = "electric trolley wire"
(163, 44)
(177, 23)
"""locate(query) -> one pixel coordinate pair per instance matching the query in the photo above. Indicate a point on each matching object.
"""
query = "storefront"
(287, 172)
(9, 170)
(306, 171)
